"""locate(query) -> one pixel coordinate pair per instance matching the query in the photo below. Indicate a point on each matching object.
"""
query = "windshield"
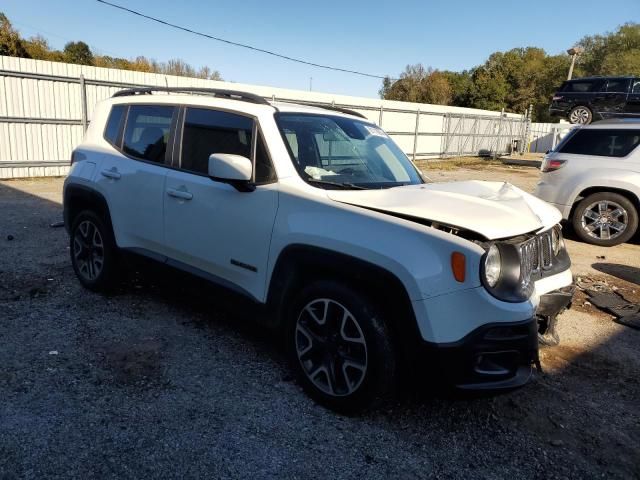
(332, 151)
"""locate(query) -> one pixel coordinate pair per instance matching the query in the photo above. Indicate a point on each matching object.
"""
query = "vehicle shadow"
(570, 404)
(624, 272)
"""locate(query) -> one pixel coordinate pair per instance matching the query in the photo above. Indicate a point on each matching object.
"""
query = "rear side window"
(579, 87)
(147, 132)
(209, 131)
(619, 85)
(113, 124)
(606, 143)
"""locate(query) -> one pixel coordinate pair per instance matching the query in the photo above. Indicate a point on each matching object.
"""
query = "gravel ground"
(163, 379)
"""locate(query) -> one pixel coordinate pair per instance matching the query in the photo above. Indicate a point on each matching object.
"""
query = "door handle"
(178, 193)
(113, 174)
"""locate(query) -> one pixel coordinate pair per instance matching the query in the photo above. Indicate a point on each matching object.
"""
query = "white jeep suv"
(593, 178)
(316, 216)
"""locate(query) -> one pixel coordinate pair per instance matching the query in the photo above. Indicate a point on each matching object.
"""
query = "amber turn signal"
(458, 266)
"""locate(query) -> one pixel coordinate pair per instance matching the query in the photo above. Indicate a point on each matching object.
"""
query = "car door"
(132, 176)
(612, 99)
(210, 227)
(633, 100)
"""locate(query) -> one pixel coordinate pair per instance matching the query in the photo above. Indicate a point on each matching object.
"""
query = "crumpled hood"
(492, 209)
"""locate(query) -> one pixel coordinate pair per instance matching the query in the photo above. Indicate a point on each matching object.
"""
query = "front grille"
(536, 254)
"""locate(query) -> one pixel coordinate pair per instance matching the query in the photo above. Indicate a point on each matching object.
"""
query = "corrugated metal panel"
(47, 99)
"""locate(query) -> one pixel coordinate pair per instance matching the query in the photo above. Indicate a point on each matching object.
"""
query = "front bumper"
(493, 357)
(554, 302)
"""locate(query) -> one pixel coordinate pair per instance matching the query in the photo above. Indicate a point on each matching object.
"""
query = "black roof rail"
(327, 107)
(215, 92)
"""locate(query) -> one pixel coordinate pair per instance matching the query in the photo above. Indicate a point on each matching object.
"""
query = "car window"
(618, 85)
(636, 87)
(113, 124)
(608, 143)
(147, 131)
(333, 149)
(265, 173)
(579, 87)
(208, 131)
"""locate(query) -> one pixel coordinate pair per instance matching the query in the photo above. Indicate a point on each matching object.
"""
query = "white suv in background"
(593, 178)
(316, 216)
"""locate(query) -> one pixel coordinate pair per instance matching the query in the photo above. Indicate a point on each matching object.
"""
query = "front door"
(210, 226)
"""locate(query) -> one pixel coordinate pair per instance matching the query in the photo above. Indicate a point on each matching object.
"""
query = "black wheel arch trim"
(298, 263)
(77, 192)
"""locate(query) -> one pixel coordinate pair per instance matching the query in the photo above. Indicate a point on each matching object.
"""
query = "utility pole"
(574, 52)
(310, 84)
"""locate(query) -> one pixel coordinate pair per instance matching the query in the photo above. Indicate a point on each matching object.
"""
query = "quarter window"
(113, 124)
(147, 132)
(600, 142)
(579, 87)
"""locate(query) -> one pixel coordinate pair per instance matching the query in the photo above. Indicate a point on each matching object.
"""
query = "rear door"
(132, 176)
(633, 101)
(210, 227)
(612, 99)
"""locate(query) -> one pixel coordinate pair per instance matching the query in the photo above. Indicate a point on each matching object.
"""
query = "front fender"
(418, 255)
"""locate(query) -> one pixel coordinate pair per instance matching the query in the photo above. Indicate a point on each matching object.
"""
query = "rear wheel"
(605, 219)
(580, 115)
(340, 348)
(93, 252)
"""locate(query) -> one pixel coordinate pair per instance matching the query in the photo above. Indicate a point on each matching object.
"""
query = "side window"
(210, 131)
(113, 124)
(619, 85)
(579, 87)
(636, 86)
(147, 131)
(608, 143)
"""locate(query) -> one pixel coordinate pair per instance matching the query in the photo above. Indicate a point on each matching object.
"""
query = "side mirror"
(235, 170)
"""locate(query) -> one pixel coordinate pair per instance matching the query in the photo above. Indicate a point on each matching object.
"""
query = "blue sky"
(374, 37)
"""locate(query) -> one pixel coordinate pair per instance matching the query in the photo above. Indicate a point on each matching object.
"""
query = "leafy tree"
(417, 84)
(10, 42)
(78, 53)
(524, 76)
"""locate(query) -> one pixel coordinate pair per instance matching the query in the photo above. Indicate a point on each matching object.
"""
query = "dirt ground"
(164, 380)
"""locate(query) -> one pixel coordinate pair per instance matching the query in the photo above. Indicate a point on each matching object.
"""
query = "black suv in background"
(594, 98)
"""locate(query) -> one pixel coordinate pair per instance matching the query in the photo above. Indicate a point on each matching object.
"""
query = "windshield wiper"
(343, 185)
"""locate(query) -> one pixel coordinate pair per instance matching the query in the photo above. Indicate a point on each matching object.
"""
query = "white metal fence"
(45, 107)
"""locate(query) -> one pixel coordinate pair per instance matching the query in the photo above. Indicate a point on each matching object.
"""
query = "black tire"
(580, 115)
(348, 390)
(88, 231)
(582, 223)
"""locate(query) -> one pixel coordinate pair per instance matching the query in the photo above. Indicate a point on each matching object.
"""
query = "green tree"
(11, 44)
(78, 53)
(419, 84)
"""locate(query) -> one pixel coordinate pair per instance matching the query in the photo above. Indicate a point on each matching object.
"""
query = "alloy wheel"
(605, 220)
(331, 347)
(88, 250)
(579, 116)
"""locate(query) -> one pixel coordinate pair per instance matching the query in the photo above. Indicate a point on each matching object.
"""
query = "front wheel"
(605, 219)
(340, 347)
